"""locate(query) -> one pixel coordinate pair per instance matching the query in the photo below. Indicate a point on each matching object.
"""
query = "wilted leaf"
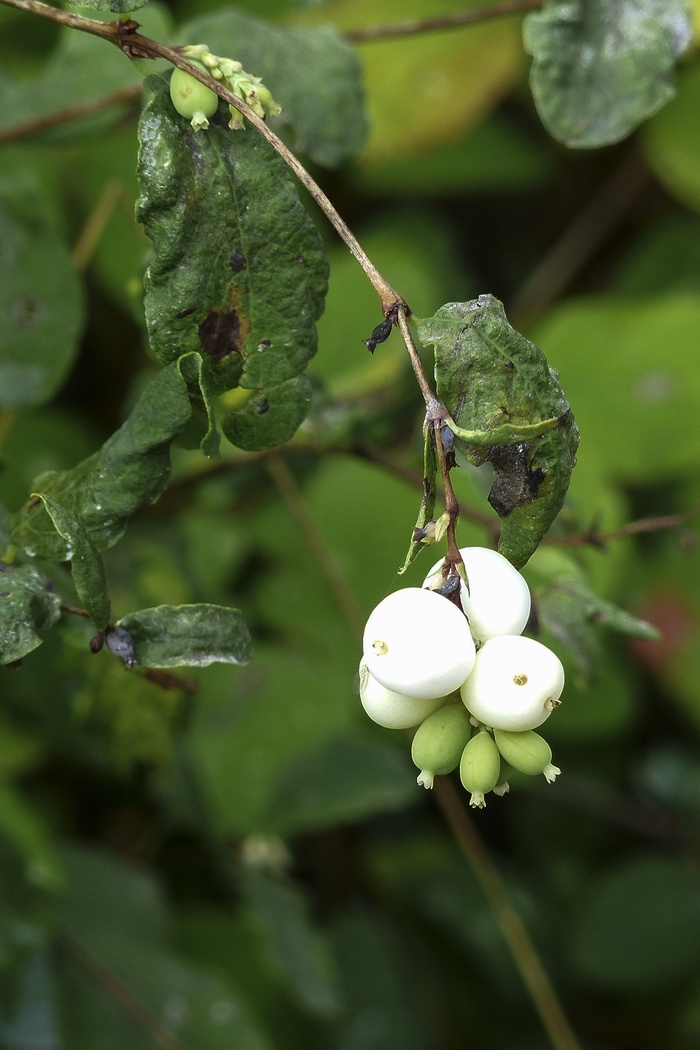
(510, 411)
(129, 471)
(86, 563)
(188, 635)
(26, 606)
(601, 67)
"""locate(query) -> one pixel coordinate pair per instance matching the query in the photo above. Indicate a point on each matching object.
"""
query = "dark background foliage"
(232, 855)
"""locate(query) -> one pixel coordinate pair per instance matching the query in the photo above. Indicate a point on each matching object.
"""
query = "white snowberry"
(498, 598)
(418, 643)
(390, 709)
(515, 685)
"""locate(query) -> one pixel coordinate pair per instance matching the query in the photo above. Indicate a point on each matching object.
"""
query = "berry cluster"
(459, 669)
(193, 100)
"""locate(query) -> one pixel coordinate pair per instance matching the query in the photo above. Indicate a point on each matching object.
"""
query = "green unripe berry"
(480, 767)
(192, 99)
(503, 785)
(527, 752)
(439, 742)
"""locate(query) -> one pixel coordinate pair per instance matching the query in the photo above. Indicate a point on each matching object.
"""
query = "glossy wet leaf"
(27, 605)
(601, 67)
(239, 270)
(118, 7)
(41, 300)
(311, 71)
(86, 563)
(130, 470)
(509, 410)
(188, 636)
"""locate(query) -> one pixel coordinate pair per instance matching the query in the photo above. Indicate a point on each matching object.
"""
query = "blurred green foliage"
(232, 856)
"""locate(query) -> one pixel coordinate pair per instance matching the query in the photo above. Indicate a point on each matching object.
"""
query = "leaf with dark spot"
(508, 408)
(228, 230)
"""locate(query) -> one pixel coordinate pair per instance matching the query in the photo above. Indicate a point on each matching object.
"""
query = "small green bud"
(527, 752)
(439, 742)
(192, 99)
(505, 773)
(479, 767)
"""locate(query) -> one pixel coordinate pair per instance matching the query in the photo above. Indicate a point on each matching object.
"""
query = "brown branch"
(28, 128)
(124, 36)
(121, 994)
(428, 25)
(528, 962)
(317, 544)
(593, 538)
(581, 238)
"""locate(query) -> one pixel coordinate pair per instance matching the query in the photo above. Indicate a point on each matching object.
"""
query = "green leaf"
(41, 301)
(509, 410)
(188, 635)
(116, 915)
(347, 780)
(80, 70)
(294, 945)
(569, 608)
(671, 146)
(29, 1020)
(428, 88)
(601, 67)
(314, 75)
(86, 563)
(239, 272)
(637, 929)
(26, 606)
(647, 388)
(21, 825)
(271, 417)
(130, 471)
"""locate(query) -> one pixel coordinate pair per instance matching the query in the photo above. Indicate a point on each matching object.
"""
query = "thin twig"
(124, 36)
(317, 543)
(95, 226)
(121, 994)
(528, 962)
(427, 25)
(28, 128)
(593, 538)
(580, 239)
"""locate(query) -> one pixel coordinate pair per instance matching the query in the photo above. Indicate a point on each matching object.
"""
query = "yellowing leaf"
(429, 88)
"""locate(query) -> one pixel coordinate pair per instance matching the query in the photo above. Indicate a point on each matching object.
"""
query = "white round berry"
(515, 685)
(418, 643)
(390, 709)
(498, 598)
